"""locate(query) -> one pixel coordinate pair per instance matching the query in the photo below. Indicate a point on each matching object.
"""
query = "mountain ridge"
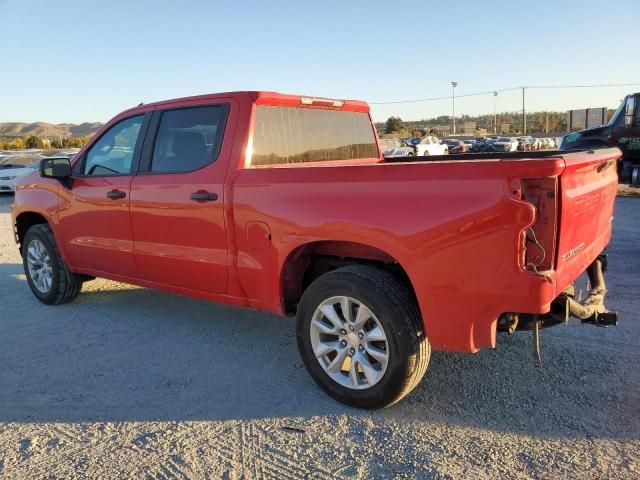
(42, 129)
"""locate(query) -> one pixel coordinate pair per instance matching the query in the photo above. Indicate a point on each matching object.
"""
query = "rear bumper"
(591, 310)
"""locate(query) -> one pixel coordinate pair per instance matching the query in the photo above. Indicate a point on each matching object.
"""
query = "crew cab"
(284, 203)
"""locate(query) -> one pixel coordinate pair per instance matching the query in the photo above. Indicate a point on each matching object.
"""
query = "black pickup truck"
(622, 131)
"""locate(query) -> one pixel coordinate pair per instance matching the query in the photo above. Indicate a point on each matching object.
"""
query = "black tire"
(65, 286)
(396, 310)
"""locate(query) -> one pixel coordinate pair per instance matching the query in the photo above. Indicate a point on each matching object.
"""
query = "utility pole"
(495, 117)
(453, 105)
(524, 115)
(546, 122)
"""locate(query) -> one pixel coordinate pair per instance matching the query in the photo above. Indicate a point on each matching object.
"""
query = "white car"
(431, 146)
(506, 144)
(392, 147)
(10, 172)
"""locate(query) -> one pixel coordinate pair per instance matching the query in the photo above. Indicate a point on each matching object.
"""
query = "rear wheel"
(47, 275)
(360, 336)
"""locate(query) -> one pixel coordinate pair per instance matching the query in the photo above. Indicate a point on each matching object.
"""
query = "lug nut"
(343, 343)
(352, 351)
(360, 335)
(361, 348)
(351, 328)
(343, 332)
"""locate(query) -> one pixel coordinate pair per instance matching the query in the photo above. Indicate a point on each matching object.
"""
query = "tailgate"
(588, 188)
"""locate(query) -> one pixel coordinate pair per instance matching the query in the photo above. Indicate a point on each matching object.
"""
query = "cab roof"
(268, 98)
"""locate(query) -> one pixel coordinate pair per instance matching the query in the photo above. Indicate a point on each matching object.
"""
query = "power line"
(539, 87)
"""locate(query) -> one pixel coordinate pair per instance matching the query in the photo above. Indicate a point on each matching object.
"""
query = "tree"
(394, 124)
(32, 142)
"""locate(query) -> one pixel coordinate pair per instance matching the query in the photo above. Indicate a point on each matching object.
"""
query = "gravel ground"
(131, 383)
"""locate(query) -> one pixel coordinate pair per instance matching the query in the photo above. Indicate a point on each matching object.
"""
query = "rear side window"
(284, 135)
(188, 139)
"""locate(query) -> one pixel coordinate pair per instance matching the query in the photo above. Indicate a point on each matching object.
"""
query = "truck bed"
(483, 156)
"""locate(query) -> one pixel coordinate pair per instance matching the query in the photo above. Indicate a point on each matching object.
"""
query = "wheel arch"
(310, 260)
(24, 221)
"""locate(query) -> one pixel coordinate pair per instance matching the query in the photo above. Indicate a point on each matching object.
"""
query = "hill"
(42, 129)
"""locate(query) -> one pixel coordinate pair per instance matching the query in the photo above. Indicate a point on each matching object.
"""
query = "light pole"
(495, 117)
(524, 115)
(453, 105)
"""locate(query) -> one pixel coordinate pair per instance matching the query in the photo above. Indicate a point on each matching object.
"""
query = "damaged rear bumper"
(591, 310)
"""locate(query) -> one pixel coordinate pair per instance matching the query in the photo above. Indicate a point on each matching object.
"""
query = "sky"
(69, 61)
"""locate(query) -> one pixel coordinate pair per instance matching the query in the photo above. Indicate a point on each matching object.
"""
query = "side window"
(188, 139)
(112, 154)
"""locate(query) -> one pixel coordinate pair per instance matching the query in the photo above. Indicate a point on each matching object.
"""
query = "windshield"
(504, 139)
(618, 112)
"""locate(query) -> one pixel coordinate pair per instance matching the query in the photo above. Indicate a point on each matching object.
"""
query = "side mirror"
(58, 168)
(55, 168)
(628, 120)
(629, 110)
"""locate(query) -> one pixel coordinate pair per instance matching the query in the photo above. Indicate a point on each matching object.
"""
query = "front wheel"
(360, 336)
(47, 275)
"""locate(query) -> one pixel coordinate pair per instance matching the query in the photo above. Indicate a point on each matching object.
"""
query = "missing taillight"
(540, 238)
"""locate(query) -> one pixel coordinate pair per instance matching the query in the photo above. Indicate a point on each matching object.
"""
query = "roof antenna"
(140, 104)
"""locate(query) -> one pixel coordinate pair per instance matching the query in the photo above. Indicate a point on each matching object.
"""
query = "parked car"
(430, 145)
(235, 198)
(480, 145)
(488, 145)
(506, 144)
(524, 144)
(456, 146)
(535, 144)
(15, 167)
(392, 147)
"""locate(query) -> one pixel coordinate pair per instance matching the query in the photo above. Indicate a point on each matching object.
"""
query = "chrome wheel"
(39, 266)
(349, 342)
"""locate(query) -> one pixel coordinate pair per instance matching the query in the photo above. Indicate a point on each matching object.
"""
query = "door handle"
(204, 196)
(116, 194)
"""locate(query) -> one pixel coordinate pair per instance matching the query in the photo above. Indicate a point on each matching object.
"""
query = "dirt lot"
(132, 383)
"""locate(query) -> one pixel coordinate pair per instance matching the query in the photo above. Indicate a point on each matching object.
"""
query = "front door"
(177, 202)
(94, 216)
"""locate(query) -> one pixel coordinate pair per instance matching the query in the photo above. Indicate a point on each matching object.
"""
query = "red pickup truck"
(284, 203)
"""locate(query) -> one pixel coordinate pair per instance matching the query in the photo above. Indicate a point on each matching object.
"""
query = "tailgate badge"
(572, 252)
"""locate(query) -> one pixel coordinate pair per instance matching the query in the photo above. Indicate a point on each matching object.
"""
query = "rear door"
(177, 198)
(94, 216)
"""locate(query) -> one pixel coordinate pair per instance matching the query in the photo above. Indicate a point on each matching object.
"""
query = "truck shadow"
(128, 354)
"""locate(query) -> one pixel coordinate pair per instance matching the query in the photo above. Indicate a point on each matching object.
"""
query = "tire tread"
(68, 286)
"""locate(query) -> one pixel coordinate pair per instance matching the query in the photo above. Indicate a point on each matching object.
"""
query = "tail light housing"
(540, 238)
